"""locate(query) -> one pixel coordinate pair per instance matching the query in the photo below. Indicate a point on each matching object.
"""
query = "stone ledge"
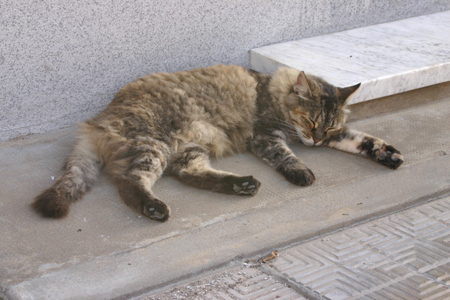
(387, 58)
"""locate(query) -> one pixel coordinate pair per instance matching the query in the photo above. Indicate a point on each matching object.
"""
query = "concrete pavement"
(103, 250)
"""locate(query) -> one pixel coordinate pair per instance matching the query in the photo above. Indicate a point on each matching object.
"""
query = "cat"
(174, 122)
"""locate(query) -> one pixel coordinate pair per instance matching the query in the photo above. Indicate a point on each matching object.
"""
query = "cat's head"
(317, 109)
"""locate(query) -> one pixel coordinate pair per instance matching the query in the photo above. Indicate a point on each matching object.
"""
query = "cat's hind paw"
(156, 210)
(247, 185)
(390, 157)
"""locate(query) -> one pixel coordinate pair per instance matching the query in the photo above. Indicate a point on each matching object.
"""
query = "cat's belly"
(209, 136)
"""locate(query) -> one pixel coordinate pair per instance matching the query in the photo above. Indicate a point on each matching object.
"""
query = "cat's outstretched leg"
(272, 148)
(368, 146)
(135, 168)
(192, 167)
(80, 172)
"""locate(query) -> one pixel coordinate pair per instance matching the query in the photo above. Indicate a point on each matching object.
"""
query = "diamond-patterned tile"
(439, 210)
(337, 267)
(415, 287)
(403, 256)
(440, 274)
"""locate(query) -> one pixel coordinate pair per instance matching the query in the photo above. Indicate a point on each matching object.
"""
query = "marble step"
(387, 58)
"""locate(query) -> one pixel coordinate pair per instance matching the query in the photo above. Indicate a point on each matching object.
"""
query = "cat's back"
(225, 84)
(213, 106)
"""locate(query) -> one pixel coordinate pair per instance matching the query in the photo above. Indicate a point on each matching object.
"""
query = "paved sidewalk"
(104, 250)
(405, 255)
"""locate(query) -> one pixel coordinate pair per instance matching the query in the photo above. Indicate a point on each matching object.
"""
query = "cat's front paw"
(390, 157)
(301, 176)
(156, 210)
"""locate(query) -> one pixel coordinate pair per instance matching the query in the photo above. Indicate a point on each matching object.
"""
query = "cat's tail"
(80, 172)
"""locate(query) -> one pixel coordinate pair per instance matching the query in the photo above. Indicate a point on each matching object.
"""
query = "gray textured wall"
(61, 61)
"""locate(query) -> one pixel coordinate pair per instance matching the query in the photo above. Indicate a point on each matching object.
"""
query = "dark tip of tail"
(50, 204)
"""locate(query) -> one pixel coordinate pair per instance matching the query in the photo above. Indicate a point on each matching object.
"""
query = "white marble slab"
(386, 58)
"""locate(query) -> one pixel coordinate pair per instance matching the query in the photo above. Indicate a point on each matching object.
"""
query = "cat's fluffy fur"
(173, 122)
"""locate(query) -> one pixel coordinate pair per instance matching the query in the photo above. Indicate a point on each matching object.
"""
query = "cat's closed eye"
(331, 130)
(310, 123)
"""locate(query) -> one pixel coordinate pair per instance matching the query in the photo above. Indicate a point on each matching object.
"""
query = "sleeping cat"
(173, 123)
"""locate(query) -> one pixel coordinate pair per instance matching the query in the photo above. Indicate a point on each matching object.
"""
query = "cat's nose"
(316, 141)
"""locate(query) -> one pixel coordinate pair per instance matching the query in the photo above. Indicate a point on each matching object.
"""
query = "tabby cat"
(174, 122)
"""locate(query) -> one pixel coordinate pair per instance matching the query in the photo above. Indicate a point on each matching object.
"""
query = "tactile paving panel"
(402, 256)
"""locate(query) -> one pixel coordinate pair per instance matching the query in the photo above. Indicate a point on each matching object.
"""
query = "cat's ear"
(347, 91)
(302, 86)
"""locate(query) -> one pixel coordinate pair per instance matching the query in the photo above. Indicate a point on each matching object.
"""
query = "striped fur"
(174, 122)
